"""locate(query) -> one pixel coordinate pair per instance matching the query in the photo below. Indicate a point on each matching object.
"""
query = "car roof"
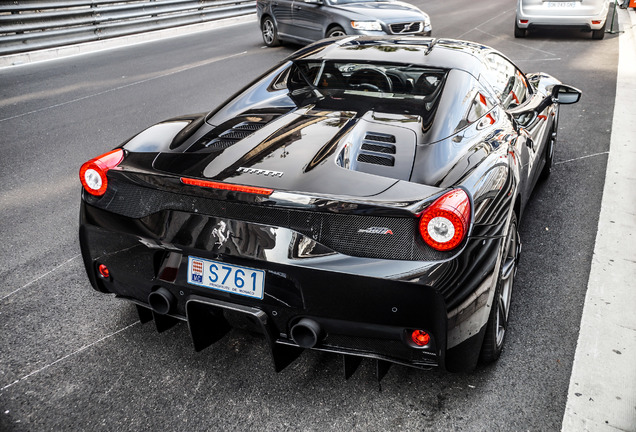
(439, 53)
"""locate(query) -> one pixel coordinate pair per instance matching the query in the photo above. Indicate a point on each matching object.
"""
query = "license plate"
(562, 4)
(234, 279)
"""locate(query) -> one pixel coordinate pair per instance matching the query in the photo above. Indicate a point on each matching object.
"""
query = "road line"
(602, 391)
(162, 75)
(40, 277)
(582, 157)
(484, 23)
(68, 355)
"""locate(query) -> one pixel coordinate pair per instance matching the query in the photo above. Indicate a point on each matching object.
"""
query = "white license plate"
(226, 277)
(562, 4)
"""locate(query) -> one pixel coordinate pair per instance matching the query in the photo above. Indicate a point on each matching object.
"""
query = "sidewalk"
(602, 393)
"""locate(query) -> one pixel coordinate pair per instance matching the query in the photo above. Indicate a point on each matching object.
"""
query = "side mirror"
(565, 94)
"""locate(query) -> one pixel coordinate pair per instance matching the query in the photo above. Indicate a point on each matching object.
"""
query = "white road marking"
(40, 277)
(582, 157)
(161, 75)
(68, 355)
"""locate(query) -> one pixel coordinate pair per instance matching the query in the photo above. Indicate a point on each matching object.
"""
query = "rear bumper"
(587, 18)
(359, 312)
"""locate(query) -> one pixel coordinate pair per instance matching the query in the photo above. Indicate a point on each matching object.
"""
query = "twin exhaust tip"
(306, 333)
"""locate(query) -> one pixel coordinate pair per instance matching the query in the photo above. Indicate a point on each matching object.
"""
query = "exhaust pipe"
(306, 333)
(161, 301)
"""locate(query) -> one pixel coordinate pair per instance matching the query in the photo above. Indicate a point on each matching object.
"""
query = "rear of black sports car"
(261, 222)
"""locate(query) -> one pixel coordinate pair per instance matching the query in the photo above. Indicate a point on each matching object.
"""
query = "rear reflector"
(103, 270)
(226, 186)
(596, 22)
(420, 337)
(523, 21)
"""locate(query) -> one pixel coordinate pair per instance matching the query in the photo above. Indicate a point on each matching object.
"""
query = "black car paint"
(148, 223)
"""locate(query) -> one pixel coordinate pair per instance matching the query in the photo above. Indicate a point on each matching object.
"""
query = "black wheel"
(519, 32)
(335, 32)
(498, 318)
(600, 33)
(270, 33)
(549, 156)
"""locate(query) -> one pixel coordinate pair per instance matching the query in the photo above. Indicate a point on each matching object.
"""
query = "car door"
(310, 19)
(282, 13)
(518, 99)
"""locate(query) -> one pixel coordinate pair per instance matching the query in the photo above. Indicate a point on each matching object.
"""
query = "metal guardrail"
(28, 25)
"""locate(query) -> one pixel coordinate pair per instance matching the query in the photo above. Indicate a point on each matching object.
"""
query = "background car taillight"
(93, 173)
(444, 224)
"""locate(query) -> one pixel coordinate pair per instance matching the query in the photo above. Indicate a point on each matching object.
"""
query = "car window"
(508, 82)
(388, 81)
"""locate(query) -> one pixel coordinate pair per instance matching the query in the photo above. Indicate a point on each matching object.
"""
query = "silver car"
(589, 15)
(304, 21)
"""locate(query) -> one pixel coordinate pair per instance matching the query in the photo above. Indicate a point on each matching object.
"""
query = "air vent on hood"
(376, 148)
(235, 134)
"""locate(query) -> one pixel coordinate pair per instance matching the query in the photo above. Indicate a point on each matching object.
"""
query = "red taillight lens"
(523, 21)
(420, 337)
(444, 224)
(595, 22)
(227, 186)
(93, 173)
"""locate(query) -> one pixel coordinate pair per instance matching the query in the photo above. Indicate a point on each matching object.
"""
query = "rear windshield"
(402, 87)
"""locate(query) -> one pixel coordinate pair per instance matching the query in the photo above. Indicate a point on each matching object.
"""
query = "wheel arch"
(332, 26)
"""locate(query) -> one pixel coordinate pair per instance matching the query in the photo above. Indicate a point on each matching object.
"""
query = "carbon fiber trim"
(362, 236)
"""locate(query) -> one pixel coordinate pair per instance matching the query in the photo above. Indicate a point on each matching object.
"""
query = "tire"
(497, 325)
(549, 156)
(600, 33)
(519, 32)
(335, 32)
(269, 32)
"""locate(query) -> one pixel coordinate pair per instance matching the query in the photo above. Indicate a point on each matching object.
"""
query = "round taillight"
(420, 338)
(93, 173)
(444, 224)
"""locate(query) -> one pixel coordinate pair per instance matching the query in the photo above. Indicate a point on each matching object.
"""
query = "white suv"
(589, 15)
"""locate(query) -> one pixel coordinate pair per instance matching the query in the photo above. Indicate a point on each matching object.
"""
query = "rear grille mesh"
(348, 234)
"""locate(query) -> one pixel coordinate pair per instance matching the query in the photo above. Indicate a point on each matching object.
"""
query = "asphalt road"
(73, 359)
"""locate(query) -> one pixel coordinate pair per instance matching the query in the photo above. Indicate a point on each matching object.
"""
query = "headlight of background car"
(366, 25)
(427, 21)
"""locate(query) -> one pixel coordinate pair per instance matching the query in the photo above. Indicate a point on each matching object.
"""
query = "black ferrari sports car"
(362, 197)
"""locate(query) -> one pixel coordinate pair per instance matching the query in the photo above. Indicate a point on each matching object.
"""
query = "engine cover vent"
(385, 148)
(235, 134)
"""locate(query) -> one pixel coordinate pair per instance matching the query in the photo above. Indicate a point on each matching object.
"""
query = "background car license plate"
(562, 4)
(226, 277)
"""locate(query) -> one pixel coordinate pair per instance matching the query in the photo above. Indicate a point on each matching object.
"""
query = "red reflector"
(523, 21)
(444, 224)
(227, 186)
(93, 173)
(103, 270)
(420, 337)
(596, 22)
